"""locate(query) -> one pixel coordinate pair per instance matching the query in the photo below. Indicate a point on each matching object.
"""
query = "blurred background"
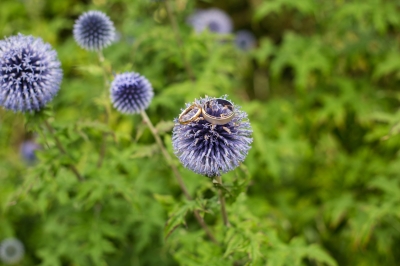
(320, 186)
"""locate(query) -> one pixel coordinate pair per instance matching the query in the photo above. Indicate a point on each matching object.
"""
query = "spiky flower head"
(11, 250)
(30, 73)
(131, 93)
(94, 31)
(213, 19)
(209, 149)
(245, 40)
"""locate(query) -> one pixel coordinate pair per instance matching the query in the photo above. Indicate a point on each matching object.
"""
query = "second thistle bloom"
(245, 40)
(131, 93)
(28, 151)
(213, 19)
(30, 73)
(11, 251)
(94, 30)
(209, 149)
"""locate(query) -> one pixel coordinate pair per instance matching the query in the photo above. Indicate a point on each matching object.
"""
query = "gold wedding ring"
(223, 119)
(182, 119)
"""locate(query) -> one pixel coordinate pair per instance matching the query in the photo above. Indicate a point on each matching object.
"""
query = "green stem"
(62, 150)
(103, 147)
(177, 174)
(101, 56)
(222, 202)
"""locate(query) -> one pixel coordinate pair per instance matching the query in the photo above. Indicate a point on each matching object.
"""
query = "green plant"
(320, 185)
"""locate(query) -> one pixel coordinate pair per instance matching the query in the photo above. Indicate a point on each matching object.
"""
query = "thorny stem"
(222, 202)
(177, 174)
(62, 150)
(178, 37)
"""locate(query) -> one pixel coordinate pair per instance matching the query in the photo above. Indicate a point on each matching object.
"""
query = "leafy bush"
(320, 185)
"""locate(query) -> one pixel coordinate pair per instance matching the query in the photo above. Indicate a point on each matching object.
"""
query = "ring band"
(218, 120)
(186, 111)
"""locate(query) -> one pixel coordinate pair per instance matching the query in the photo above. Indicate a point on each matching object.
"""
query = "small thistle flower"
(94, 31)
(27, 151)
(213, 19)
(11, 250)
(245, 40)
(211, 150)
(117, 36)
(30, 73)
(131, 93)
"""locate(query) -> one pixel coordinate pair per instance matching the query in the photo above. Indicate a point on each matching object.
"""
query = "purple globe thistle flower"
(209, 149)
(11, 250)
(30, 73)
(27, 151)
(94, 31)
(131, 93)
(213, 19)
(245, 40)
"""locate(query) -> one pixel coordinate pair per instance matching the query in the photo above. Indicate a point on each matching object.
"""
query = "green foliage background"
(319, 187)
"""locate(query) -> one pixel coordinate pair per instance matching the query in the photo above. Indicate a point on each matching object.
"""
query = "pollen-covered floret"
(209, 149)
(30, 73)
(94, 30)
(131, 93)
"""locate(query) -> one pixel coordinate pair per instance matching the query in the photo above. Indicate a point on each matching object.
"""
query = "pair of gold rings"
(186, 118)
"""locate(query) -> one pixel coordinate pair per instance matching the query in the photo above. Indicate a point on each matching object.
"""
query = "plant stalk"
(103, 147)
(62, 150)
(177, 174)
(222, 202)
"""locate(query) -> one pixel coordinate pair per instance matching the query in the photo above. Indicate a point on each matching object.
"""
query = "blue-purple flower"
(245, 40)
(11, 251)
(94, 30)
(213, 19)
(209, 149)
(131, 93)
(27, 150)
(30, 73)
